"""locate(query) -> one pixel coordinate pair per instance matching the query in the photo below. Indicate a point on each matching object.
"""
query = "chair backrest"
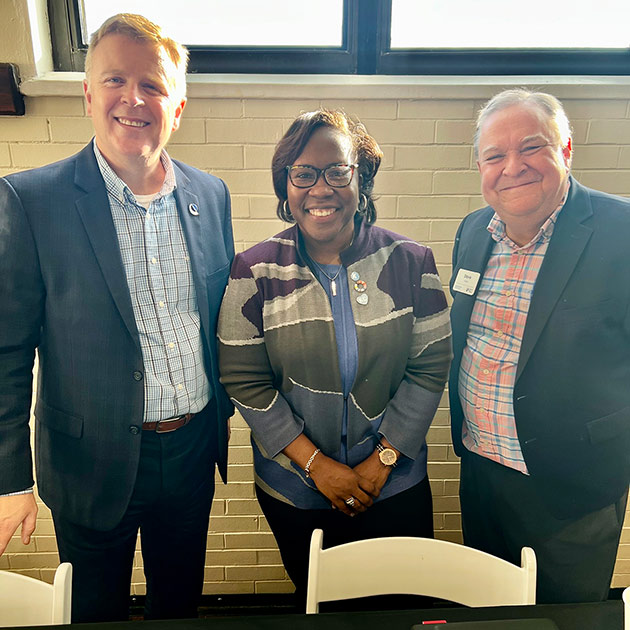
(417, 566)
(25, 601)
(626, 608)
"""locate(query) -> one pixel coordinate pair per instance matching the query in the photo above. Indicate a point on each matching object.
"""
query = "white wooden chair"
(25, 601)
(626, 608)
(417, 566)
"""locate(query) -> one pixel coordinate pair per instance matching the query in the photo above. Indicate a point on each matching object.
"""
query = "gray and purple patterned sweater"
(279, 362)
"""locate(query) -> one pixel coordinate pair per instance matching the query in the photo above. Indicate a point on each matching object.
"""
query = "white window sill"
(353, 87)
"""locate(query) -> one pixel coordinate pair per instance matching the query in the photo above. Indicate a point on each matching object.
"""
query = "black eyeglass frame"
(320, 172)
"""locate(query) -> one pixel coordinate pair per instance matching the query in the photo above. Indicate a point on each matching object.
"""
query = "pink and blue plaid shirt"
(493, 344)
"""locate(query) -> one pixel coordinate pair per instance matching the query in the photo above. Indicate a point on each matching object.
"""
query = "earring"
(363, 203)
(287, 210)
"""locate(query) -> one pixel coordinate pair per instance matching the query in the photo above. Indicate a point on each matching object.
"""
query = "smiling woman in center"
(334, 345)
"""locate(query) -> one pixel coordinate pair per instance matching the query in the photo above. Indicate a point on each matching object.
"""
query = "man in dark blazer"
(540, 383)
(113, 266)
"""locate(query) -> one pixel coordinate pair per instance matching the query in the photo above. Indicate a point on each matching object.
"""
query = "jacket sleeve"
(246, 372)
(21, 319)
(411, 410)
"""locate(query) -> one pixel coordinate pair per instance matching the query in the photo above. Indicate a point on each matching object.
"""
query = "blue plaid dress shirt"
(157, 266)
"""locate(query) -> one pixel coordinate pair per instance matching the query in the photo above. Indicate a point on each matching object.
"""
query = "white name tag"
(466, 281)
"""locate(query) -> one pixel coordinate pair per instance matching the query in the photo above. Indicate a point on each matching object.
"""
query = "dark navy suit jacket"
(64, 293)
(572, 391)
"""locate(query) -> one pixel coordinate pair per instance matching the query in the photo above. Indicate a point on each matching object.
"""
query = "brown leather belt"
(166, 426)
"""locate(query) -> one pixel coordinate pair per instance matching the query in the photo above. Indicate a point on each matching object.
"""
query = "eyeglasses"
(335, 175)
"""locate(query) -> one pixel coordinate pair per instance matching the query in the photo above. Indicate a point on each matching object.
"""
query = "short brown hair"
(138, 28)
(368, 154)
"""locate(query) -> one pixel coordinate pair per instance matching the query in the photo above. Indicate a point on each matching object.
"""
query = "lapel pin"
(354, 276)
(193, 208)
(362, 299)
(360, 286)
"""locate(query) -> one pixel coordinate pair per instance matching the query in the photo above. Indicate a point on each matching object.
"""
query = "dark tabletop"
(597, 616)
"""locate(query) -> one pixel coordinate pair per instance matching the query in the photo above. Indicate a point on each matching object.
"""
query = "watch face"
(388, 456)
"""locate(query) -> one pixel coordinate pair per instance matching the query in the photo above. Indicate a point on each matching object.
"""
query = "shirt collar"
(496, 227)
(117, 187)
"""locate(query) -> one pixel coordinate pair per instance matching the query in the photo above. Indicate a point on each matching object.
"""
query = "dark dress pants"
(408, 513)
(170, 505)
(503, 512)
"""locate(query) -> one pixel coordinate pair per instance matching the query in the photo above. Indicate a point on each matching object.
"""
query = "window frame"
(69, 49)
(365, 50)
(506, 61)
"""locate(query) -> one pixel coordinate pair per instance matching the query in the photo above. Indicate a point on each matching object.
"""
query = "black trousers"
(502, 512)
(409, 513)
(170, 506)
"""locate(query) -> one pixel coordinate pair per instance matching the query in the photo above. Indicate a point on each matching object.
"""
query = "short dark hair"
(368, 154)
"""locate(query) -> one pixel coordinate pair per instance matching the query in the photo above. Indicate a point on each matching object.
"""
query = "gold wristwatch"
(387, 456)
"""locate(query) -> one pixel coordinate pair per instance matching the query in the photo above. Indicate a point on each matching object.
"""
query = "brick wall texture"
(428, 182)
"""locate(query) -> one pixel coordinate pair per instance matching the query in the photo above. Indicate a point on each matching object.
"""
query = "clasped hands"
(338, 482)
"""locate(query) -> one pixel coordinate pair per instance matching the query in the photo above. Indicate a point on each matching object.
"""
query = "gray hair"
(546, 103)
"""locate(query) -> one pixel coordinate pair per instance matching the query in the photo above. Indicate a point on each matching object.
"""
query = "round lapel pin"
(360, 286)
(193, 208)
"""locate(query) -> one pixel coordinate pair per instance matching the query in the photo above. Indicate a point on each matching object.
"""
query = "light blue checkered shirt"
(157, 266)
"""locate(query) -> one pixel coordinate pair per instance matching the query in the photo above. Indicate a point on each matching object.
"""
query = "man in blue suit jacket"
(540, 383)
(113, 265)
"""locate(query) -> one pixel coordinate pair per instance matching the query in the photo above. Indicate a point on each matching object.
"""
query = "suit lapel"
(193, 216)
(567, 243)
(96, 215)
(473, 258)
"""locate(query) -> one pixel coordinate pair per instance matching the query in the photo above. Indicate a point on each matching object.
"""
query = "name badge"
(466, 281)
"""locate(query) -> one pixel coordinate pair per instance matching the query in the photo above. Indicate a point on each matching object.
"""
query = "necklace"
(332, 279)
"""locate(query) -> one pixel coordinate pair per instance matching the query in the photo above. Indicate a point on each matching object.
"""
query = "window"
(499, 37)
(276, 36)
(371, 36)
(236, 23)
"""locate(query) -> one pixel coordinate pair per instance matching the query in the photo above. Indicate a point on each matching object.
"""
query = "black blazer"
(572, 390)
(65, 293)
